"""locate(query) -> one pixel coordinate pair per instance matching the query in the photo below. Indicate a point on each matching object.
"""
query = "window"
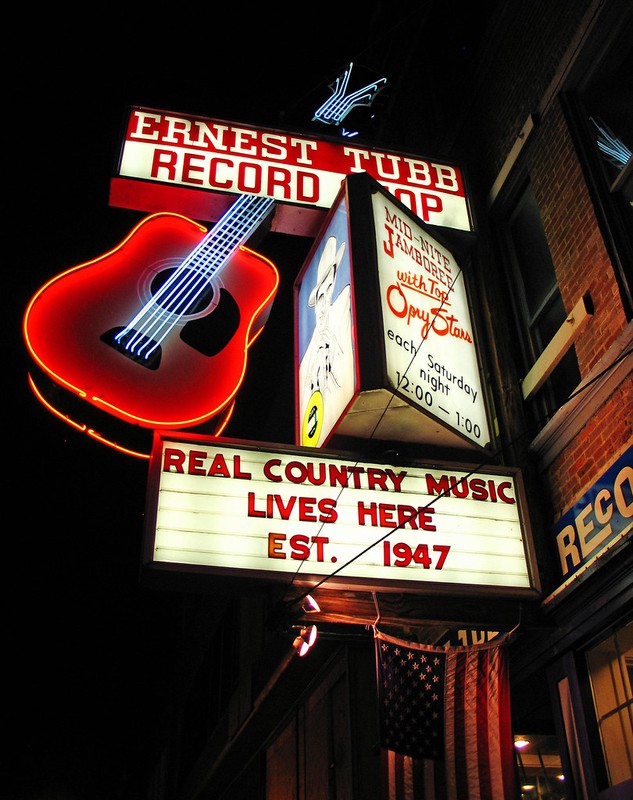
(540, 772)
(537, 304)
(539, 767)
(610, 666)
(601, 116)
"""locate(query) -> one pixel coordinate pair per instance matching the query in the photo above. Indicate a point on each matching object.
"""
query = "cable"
(371, 436)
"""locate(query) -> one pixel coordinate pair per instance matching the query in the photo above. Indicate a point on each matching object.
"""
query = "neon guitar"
(156, 331)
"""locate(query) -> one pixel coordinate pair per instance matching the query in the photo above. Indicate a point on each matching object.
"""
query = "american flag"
(406, 778)
(449, 705)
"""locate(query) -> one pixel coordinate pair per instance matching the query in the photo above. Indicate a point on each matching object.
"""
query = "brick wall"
(582, 265)
(578, 251)
(513, 78)
(607, 434)
(513, 74)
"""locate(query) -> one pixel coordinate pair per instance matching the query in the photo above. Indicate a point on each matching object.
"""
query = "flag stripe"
(429, 780)
(450, 716)
(506, 740)
(456, 754)
(494, 785)
(481, 766)
(469, 774)
(451, 705)
(407, 778)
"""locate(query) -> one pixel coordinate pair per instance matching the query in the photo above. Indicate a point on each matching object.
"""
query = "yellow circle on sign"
(312, 420)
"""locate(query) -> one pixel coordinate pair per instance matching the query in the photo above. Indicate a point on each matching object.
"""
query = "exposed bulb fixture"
(520, 743)
(305, 639)
(309, 605)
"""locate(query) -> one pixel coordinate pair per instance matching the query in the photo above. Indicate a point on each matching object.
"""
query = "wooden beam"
(562, 340)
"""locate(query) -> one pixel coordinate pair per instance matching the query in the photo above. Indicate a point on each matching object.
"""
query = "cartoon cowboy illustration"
(326, 367)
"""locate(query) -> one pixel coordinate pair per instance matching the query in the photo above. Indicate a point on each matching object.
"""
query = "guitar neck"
(238, 224)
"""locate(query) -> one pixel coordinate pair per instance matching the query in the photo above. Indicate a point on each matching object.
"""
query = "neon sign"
(334, 110)
(156, 332)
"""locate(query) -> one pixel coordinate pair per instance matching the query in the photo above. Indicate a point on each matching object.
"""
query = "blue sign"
(602, 516)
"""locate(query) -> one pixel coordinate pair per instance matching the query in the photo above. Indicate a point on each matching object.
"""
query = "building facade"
(544, 129)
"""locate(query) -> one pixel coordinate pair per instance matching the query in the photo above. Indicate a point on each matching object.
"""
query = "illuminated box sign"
(385, 346)
(600, 519)
(189, 159)
(278, 512)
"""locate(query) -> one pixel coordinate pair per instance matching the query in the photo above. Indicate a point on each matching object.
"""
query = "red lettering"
(237, 469)
(501, 491)
(273, 462)
(306, 509)
(305, 181)
(164, 160)
(275, 545)
(424, 519)
(367, 511)
(196, 462)
(173, 458)
(251, 510)
(431, 204)
(218, 467)
(214, 180)
(386, 513)
(279, 177)
(190, 167)
(478, 489)
(320, 542)
(285, 509)
(299, 545)
(327, 509)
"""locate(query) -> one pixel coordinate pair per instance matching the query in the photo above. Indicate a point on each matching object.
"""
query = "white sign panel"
(309, 515)
(324, 313)
(429, 342)
(201, 153)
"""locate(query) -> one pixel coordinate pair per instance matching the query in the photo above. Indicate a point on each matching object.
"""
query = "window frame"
(597, 63)
(543, 406)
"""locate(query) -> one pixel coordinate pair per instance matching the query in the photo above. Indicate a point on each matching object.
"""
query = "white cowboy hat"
(329, 261)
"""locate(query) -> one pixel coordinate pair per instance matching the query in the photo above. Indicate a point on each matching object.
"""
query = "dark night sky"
(88, 647)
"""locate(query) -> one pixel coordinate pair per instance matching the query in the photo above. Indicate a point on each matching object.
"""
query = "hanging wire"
(371, 436)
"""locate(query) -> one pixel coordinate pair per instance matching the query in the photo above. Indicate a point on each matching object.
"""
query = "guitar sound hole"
(152, 362)
(210, 334)
(190, 294)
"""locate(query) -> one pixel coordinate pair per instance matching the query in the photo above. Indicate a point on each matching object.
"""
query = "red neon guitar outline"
(156, 331)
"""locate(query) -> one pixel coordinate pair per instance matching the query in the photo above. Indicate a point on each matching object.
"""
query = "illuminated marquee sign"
(176, 162)
(385, 342)
(295, 513)
(429, 339)
(600, 519)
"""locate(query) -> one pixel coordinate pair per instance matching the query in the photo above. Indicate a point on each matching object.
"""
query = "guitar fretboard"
(234, 228)
(142, 336)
